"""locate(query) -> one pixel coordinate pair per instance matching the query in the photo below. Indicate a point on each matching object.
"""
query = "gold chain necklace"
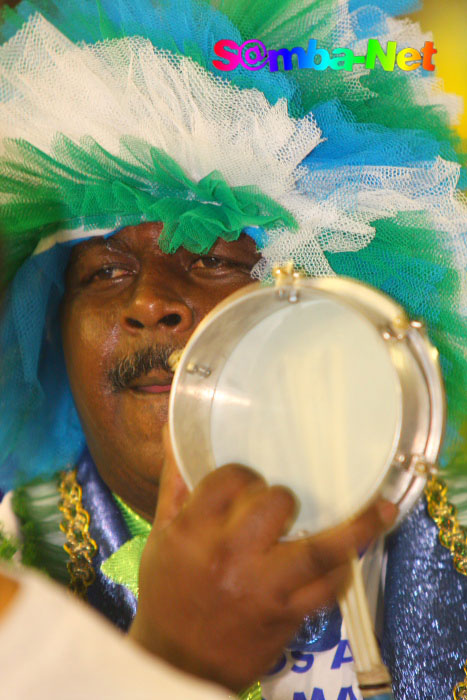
(453, 536)
(79, 545)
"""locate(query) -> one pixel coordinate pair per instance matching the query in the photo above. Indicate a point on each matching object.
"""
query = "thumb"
(173, 491)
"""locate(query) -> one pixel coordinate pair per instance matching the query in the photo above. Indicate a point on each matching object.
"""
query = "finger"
(173, 491)
(261, 517)
(216, 494)
(322, 591)
(305, 560)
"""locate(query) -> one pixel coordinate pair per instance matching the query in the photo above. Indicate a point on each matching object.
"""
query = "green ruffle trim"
(134, 522)
(122, 566)
(253, 693)
(83, 185)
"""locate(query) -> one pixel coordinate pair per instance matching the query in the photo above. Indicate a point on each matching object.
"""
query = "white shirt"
(52, 647)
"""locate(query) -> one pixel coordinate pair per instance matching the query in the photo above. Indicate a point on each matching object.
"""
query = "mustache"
(137, 364)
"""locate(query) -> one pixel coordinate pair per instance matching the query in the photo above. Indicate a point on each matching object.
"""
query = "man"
(119, 153)
(126, 296)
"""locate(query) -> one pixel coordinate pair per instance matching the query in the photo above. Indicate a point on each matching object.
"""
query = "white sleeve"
(8, 520)
(53, 647)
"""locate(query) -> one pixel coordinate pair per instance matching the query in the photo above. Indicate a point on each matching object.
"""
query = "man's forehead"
(149, 233)
(120, 240)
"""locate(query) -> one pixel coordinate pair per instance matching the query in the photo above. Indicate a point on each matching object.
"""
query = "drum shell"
(419, 436)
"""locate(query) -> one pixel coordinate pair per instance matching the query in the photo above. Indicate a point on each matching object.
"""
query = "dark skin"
(220, 594)
(123, 294)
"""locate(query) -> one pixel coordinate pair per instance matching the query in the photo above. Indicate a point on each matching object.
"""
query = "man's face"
(127, 306)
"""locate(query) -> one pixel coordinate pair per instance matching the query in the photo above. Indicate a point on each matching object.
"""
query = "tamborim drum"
(323, 385)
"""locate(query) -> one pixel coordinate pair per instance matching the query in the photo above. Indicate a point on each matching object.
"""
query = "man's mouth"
(152, 385)
(145, 371)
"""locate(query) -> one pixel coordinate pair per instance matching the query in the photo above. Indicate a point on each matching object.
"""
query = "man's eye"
(109, 272)
(208, 262)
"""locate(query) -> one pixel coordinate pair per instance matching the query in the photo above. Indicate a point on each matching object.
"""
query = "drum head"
(308, 394)
(310, 390)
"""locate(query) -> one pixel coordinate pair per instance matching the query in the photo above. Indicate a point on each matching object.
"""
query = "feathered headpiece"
(112, 113)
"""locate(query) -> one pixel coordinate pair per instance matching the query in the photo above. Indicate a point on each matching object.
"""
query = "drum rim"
(335, 287)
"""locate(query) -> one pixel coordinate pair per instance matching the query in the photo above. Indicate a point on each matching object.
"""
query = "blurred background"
(447, 20)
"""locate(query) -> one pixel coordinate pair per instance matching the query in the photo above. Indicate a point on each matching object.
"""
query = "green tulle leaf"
(84, 185)
(122, 566)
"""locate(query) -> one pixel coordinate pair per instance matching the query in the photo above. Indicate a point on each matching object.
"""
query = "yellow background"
(447, 20)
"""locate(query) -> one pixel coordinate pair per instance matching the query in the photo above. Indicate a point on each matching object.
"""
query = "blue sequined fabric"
(319, 632)
(425, 613)
(109, 530)
(425, 617)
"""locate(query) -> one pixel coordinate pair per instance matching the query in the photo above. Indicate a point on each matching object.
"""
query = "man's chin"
(137, 485)
(131, 461)
(141, 413)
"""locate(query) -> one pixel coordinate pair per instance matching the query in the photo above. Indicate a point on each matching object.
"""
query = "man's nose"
(157, 303)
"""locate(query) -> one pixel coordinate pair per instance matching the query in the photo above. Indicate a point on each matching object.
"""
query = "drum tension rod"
(287, 281)
(417, 464)
(192, 368)
(202, 370)
(399, 326)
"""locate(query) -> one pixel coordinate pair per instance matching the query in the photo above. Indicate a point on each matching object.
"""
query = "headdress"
(112, 113)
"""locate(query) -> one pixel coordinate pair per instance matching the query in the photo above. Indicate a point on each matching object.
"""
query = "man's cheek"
(91, 343)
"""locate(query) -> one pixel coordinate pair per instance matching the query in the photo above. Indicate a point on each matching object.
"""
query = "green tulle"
(407, 261)
(85, 186)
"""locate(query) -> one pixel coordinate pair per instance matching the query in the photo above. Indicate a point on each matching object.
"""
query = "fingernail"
(387, 512)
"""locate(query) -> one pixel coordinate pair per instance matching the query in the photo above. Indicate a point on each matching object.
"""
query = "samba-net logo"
(253, 55)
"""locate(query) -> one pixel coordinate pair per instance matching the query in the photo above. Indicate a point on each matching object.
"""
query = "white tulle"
(126, 87)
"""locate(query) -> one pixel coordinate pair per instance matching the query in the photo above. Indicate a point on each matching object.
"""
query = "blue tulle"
(391, 7)
(350, 143)
(40, 430)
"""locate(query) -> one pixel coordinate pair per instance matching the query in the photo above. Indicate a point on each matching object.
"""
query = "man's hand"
(220, 595)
